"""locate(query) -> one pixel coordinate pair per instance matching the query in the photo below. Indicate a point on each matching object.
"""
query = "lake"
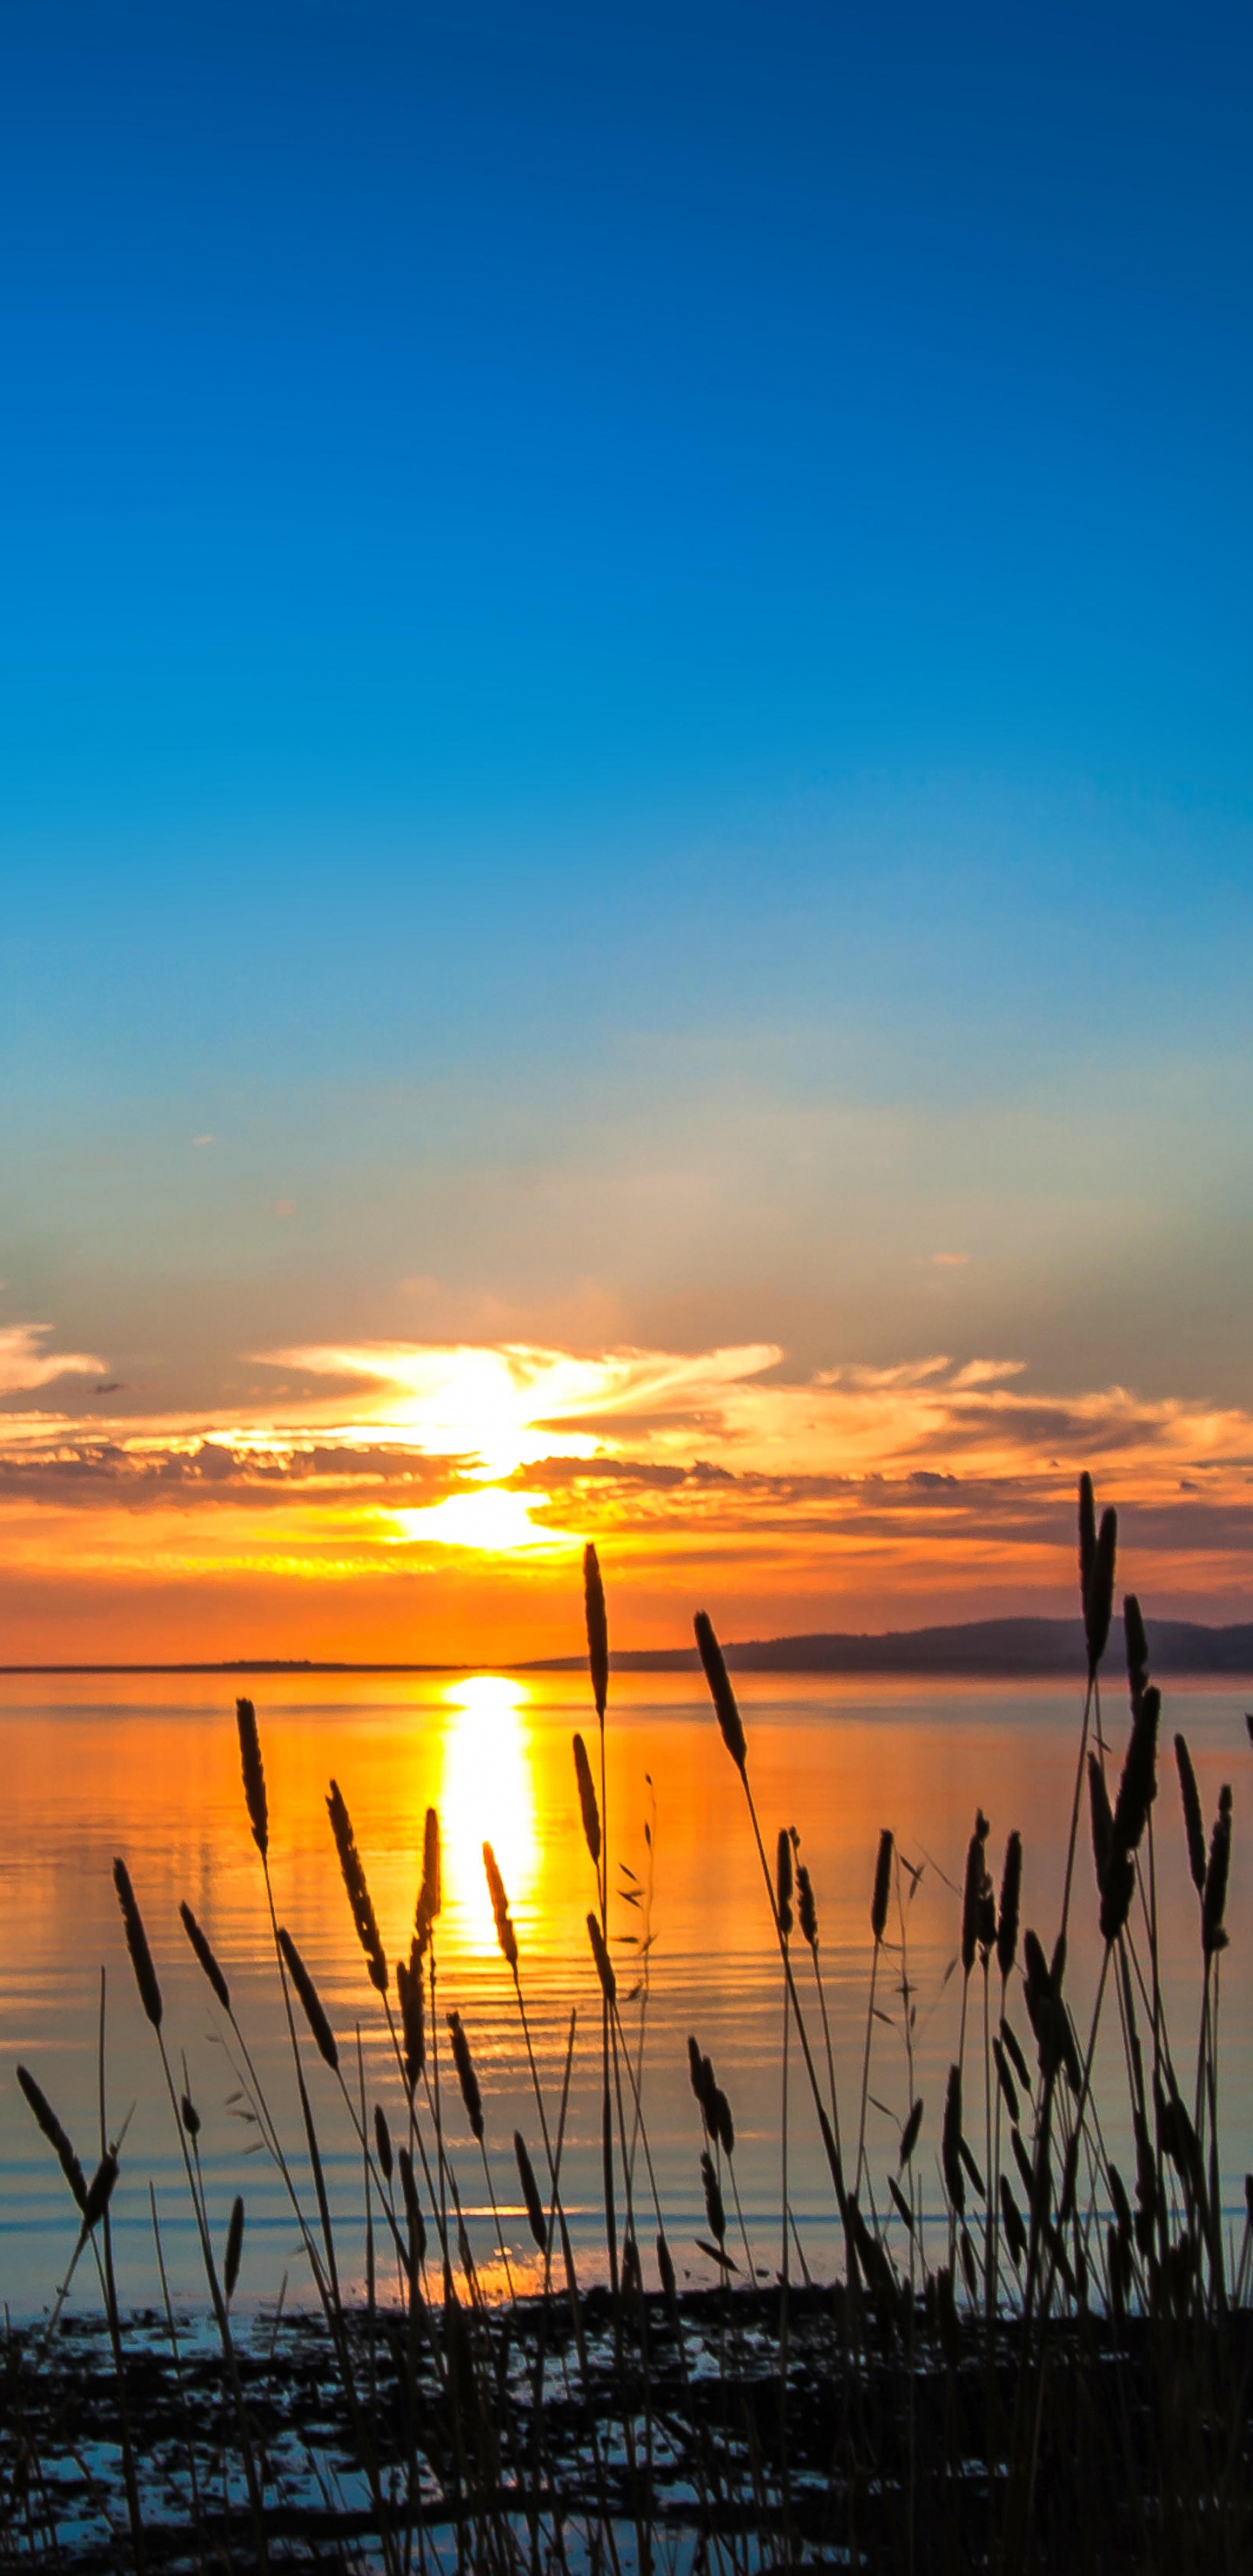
(149, 1767)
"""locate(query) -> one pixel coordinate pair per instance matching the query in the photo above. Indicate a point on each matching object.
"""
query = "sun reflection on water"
(487, 1794)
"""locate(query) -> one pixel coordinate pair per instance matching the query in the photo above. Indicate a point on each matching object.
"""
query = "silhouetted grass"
(1068, 2388)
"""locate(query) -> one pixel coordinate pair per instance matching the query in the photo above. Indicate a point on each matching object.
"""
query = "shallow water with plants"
(731, 2163)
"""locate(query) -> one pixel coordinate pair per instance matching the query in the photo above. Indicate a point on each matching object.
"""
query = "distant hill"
(1009, 1649)
(996, 1649)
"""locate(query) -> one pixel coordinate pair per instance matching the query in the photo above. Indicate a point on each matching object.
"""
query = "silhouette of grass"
(1068, 2388)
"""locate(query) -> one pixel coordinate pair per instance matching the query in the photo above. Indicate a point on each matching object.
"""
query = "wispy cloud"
(26, 1362)
(852, 1498)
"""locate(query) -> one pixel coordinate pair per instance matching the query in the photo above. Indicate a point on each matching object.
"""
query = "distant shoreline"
(989, 1649)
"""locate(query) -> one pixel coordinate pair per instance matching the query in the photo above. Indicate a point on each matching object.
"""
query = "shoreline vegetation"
(1018, 1649)
(1049, 2367)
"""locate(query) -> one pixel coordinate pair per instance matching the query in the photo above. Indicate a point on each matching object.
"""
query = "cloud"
(897, 1485)
(25, 1364)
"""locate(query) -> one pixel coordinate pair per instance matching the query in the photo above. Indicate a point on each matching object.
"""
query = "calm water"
(150, 1768)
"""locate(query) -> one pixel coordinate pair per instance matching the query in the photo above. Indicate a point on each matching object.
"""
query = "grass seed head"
(56, 2136)
(1011, 1898)
(783, 1882)
(137, 1944)
(413, 2208)
(951, 2142)
(1137, 1649)
(200, 1944)
(604, 1964)
(1193, 1823)
(254, 1774)
(597, 1630)
(234, 2246)
(1087, 1538)
(320, 2027)
(355, 1887)
(530, 2191)
(882, 1884)
(587, 1800)
(714, 2209)
(505, 1933)
(412, 2019)
(1102, 1820)
(974, 1890)
(1137, 1786)
(720, 1691)
(466, 2077)
(100, 2190)
(807, 1911)
(382, 2142)
(1214, 1899)
(431, 1892)
(1098, 1608)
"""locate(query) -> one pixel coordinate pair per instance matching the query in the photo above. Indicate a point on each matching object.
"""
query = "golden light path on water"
(487, 1794)
(148, 1766)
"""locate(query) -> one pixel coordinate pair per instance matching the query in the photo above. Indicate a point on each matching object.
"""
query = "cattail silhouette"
(1097, 1555)
(254, 1774)
(1011, 1898)
(951, 2141)
(100, 2190)
(358, 1893)
(137, 1944)
(234, 2247)
(200, 1945)
(307, 1991)
(412, 2020)
(1214, 1899)
(505, 1933)
(783, 1882)
(1087, 1535)
(604, 1964)
(882, 1883)
(597, 1629)
(1005, 2080)
(1013, 2051)
(430, 1894)
(1102, 1821)
(466, 2077)
(1138, 1786)
(56, 2136)
(383, 2142)
(1137, 1650)
(530, 2191)
(973, 1896)
(720, 1690)
(1015, 2232)
(1193, 1823)
(909, 2135)
(413, 2207)
(714, 2209)
(587, 1800)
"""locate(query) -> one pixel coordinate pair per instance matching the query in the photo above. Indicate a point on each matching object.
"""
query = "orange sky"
(426, 1502)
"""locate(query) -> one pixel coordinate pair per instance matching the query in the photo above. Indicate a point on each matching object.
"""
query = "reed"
(1045, 2367)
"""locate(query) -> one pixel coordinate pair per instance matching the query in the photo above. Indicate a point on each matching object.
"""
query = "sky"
(626, 818)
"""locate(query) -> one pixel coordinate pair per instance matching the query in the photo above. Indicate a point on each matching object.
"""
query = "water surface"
(149, 1767)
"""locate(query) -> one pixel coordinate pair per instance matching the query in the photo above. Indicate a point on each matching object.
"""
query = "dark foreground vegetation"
(1055, 2371)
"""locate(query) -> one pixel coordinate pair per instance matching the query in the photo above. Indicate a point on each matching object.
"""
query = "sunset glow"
(487, 1795)
(440, 1500)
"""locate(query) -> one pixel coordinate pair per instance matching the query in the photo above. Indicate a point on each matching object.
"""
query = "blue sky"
(625, 674)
